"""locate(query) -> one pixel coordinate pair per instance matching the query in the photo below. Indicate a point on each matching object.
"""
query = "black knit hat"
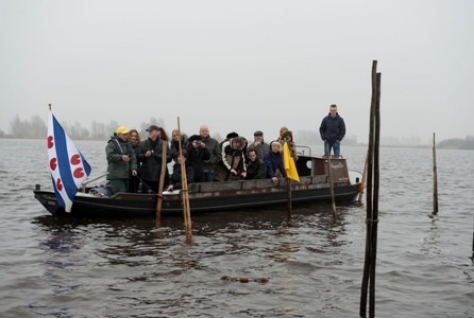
(193, 138)
(232, 135)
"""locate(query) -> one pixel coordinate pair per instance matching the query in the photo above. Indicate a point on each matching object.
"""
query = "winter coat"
(213, 146)
(117, 168)
(332, 129)
(151, 166)
(256, 169)
(196, 158)
(274, 161)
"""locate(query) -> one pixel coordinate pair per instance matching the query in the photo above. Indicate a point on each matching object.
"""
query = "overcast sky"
(240, 65)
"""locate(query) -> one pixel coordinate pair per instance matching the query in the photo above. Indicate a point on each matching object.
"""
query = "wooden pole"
(288, 192)
(472, 257)
(184, 192)
(375, 207)
(161, 182)
(364, 178)
(435, 178)
(368, 246)
(331, 187)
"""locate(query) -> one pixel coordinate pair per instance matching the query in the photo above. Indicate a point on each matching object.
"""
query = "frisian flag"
(68, 166)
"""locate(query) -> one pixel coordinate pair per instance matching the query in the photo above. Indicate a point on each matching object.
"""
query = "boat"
(314, 187)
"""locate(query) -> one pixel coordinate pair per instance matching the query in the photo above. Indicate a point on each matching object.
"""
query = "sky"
(241, 65)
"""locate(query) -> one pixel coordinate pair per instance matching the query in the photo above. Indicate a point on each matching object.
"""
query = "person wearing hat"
(121, 161)
(259, 145)
(197, 154)
(151, 156)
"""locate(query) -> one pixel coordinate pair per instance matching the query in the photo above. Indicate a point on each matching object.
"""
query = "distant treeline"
(36, 128)
(457, 143)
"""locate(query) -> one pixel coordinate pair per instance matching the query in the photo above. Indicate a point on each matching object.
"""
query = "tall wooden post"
(435, 178)
(184, 192)
(161, 182)
(331, 187)
(364, 178)
(372, 198)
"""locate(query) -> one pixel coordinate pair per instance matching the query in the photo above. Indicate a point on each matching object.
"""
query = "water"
(117, 268)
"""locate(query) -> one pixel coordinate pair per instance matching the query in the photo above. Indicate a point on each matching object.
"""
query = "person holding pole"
(332, 132)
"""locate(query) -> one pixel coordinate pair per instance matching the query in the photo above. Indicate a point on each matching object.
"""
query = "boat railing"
(303, 150)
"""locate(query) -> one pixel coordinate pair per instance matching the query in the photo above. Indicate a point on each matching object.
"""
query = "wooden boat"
(313, 187)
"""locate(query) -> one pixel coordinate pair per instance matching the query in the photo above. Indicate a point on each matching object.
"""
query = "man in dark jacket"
(197, 154)
(150, 155)
(256, 168)
(332, 132)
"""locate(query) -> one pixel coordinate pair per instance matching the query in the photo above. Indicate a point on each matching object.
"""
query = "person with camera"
(197, 154)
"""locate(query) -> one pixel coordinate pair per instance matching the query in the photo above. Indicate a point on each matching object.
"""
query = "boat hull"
(313, 187)
(224, 196)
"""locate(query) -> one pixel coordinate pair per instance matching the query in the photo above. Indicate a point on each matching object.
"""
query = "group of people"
(135, 165)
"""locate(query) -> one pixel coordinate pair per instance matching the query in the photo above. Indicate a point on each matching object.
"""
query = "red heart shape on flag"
(53, 163)
(59, 184)
(75, 159)
(50, 141)
(78, 172)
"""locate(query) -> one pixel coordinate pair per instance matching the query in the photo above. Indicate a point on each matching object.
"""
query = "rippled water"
(93, 268)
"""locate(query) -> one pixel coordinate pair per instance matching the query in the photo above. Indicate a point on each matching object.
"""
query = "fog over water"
(240, 66)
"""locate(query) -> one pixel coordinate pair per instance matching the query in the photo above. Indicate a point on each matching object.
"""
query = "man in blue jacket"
(332, 132)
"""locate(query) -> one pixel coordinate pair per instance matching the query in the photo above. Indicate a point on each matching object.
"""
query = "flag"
(289, 164)
(68, 166)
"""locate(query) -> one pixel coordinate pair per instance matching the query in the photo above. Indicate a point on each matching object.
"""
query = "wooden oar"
(164, 150)
(184, 192)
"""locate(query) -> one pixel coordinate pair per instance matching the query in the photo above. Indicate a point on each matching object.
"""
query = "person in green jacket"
(121, 161)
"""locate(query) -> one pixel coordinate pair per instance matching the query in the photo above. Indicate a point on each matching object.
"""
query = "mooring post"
(372, 198)
(435, 178)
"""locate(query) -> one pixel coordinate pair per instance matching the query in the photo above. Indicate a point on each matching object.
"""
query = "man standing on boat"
(213, 146)
(150, 155)
(332, 132)
(121, 161)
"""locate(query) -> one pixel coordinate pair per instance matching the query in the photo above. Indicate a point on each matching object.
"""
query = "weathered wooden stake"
(372, 198)
(331, 187)
(472, 257)
(289, 198)
(435, 178)
(364, 178)
(161, 182)
(185, 194)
